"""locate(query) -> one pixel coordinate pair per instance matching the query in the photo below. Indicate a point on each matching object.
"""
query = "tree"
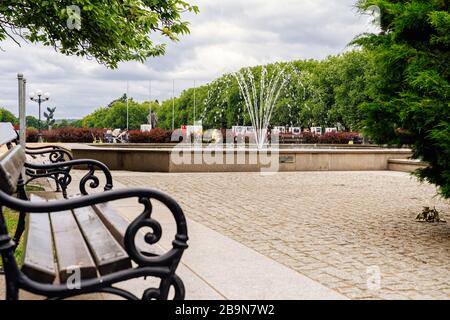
(109, 31)
(116, 115)
(7, 116)
(317, 93)
(32, 122)
(123, 98)
(409, 91)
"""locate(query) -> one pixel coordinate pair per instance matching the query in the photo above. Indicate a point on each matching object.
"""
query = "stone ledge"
(405, 165)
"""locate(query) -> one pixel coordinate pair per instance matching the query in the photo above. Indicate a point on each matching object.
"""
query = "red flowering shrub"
(81, 135)
(32, 135)
(338, 137)
(327, 138)
(154, 136)
(85, 135)
(310, 138)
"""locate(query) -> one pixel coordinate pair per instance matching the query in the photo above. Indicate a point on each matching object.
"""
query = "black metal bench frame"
(55, 154)
(61, 163)
(146, 264)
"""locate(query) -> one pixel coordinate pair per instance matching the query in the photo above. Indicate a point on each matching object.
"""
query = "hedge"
(84, 135)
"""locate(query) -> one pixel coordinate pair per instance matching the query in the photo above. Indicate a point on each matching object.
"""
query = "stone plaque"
(287, 159)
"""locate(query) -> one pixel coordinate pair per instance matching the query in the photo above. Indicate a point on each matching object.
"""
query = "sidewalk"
(217, 267)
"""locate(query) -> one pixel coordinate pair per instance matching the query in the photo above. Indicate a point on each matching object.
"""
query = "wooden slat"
(7, 133)
(118, 225)
(71, 250)
(38, 263)
(108, 255)
(11, 165)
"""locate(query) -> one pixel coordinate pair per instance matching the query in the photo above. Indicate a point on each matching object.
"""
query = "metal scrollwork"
(89, 177)
(156, 293)
(152, 237)
(63, 180)
(56, 156)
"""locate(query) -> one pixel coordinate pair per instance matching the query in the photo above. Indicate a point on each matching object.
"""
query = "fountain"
(261, 101)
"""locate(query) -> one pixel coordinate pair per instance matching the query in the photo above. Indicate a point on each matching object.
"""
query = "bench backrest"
(7, 133)
(11, 166)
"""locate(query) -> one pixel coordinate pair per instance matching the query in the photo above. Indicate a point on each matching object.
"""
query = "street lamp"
(39, 97)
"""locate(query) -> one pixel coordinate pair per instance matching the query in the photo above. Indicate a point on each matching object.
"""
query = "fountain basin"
(172, 159)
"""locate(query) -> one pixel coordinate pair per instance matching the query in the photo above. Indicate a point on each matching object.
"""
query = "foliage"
(338, 137)
(109, 31)
(64, 123)
(116, 115)
(319, 93)
(7, 116)
(409, 92)
(11, 218)
(154, 136)
(327, 138)
(123, 98)
(32, 122)
(87, 135)
(80, 135)
(32, 135)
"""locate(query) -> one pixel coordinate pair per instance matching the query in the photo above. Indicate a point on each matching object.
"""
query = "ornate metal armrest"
(56, 154)
(50, 146)
(145, 220)
(60, 171)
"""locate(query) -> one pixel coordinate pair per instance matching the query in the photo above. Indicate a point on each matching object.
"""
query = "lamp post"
(39, 97)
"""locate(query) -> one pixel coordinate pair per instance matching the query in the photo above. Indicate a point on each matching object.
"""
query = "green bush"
(409, 91)
(7, 116)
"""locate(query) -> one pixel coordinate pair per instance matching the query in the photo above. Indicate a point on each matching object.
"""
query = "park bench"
(80, 245)
(38, 156)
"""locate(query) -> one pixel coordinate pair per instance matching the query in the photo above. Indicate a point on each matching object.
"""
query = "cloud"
(226, 36)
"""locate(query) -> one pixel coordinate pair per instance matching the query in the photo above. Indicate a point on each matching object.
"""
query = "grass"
(12, 218)
(34, 188)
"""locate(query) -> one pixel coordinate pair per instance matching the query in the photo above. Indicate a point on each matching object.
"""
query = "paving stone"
(313, 222)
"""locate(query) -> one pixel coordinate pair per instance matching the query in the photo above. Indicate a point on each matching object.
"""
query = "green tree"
(115, 116)
(32, 122)
(64, 123)
(7, 116)
(109, 31)
(409, 91)
(318, 93)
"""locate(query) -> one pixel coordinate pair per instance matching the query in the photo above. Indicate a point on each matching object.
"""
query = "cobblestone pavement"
(338, 228)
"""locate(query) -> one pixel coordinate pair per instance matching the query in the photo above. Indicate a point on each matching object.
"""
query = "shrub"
(338, 137)
(81, 135)
(327, 138)
(309, 137)
(154, 136)
(32, 135)
(409, 90)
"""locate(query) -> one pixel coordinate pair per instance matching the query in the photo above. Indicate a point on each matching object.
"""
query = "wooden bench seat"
(118, 225)
(38, 261)
(89, 240)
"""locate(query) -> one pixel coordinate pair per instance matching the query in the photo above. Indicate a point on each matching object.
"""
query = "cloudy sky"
(225, 36)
